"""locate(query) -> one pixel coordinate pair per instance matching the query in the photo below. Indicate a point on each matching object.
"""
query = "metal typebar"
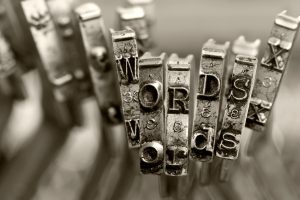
(208, 100)
(240, 47)
(228, 143)
(112, 153)
(177, 87)
(152, 118)
(271, 70)
(135, 18)
(126, 58)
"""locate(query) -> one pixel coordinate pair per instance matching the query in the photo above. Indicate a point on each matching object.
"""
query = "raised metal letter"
(208, 99)
(152, 118)
(271, 70)
(177, 84)
(126, 58)
(234, 119)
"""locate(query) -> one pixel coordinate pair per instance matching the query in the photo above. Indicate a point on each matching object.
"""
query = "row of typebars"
(174, 113)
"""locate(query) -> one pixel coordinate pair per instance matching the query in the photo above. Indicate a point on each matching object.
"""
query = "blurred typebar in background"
(43, 159)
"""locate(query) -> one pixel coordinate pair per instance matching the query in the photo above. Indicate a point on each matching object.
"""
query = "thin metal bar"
(152, 118)
(271, 70)
(113, 169)
(177, 87)
(126, 59)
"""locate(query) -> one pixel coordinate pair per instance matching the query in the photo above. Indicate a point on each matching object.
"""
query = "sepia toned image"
(149, 99)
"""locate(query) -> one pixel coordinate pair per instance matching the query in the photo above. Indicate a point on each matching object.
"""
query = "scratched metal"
(240, 47)
(208, 100)
(48, 44)
(271, 70)
(126, 58)
(228, 143)
(152, 116)
(103, 73)
(11, 82)
(134, 17)
(177, 87)
(63, 18)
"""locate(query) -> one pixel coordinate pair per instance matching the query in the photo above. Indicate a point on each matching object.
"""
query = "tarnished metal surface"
(208, 100)
(152, 118)
(234, 119)
(48, 44)
(101, 69)
(240, 47)
(271, 70)
(135, 18)
(177, 84)
(126, 58)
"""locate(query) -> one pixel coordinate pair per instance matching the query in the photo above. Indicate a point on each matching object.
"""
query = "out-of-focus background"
(181, 27)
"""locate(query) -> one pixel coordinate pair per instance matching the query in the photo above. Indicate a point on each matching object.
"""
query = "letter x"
(255, 115)
(274, 56)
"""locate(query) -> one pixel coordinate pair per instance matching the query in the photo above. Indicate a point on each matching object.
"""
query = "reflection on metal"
(134, 17)
(177, 87)
(234, 119)
(56, 75)
(148, 6)
(102, 72)
(208, 99)
(152, 118)
(48, 44)
(71, 43)
(240, 47)
(126, 59)
(271, 70)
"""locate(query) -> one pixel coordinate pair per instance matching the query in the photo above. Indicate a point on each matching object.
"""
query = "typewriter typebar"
(148, 6)
(134, 17)
(235, 114)
(177, 87)
(208, 100)
(11, 82)
(271, 70)
(126, 58)
(15, 29)
(48, 44)
(152, 117)
(103, 73)
(240, 46)
(64, 21)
